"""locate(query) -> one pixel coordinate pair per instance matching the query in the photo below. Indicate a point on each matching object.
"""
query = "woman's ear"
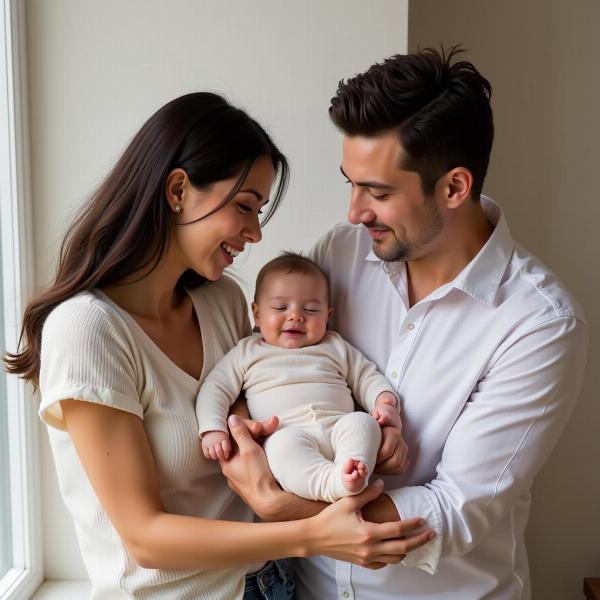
(177, 180)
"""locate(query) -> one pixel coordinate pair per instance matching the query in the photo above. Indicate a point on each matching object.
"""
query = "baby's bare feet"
(354, 475)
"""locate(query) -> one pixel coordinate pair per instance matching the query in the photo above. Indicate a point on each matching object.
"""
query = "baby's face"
(292, 309)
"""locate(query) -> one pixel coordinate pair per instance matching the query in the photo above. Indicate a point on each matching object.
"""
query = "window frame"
(26, 574)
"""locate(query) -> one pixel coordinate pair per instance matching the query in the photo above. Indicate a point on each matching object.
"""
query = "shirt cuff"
(211, 423)
(414, 502)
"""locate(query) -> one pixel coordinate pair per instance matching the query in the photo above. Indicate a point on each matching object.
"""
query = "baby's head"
(291, 302)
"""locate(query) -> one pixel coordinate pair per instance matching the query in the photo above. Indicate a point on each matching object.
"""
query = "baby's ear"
(256, 317)
(329, 313)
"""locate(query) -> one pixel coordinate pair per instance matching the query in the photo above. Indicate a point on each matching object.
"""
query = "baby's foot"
(354, 475)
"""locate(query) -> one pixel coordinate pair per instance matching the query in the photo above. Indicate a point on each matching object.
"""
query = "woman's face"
(211, 244)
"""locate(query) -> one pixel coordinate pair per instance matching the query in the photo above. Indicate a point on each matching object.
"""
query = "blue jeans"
(275, 581)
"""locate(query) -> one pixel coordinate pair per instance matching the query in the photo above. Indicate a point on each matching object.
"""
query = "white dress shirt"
(487, 368)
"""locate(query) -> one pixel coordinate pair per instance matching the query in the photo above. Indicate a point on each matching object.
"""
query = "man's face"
(389, 201)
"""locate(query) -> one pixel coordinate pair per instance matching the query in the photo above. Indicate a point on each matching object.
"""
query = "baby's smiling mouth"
(293, 331)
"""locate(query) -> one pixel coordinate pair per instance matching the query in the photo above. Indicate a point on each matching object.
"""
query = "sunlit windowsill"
(63, 590)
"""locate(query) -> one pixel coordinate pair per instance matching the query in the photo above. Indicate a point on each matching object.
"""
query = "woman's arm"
(115, 452)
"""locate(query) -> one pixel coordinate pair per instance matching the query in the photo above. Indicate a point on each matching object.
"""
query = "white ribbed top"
(92, 350)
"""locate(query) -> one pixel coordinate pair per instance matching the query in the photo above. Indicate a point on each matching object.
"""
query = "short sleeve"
(85, 356)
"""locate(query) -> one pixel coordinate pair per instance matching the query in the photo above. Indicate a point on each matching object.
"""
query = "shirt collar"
(481, 277)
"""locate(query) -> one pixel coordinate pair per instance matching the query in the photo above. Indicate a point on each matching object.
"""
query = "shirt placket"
(343, 575)
(408, 327)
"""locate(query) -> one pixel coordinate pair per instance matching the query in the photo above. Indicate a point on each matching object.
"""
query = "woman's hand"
(247, 469)
(340, 532)
(392, 458)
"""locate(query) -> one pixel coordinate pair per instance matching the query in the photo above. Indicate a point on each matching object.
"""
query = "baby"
(307, 376)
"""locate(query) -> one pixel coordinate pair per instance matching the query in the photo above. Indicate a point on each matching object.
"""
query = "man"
(483, 344)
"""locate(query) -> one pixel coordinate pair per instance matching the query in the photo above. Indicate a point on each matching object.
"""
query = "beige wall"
(541, 57)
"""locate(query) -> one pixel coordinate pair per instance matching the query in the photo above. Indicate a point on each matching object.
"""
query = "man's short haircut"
(440, 110)
(289, 262)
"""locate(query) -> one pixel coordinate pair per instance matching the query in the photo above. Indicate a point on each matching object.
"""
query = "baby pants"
(306, 458)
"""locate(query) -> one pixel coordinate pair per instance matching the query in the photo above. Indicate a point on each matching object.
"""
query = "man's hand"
(392, 458)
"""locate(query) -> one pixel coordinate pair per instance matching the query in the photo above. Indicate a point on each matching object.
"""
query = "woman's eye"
(246, 209)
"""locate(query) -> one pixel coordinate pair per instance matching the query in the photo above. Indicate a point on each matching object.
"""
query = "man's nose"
(359, 210)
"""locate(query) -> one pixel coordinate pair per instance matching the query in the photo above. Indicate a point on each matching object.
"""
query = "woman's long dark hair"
(124, 227)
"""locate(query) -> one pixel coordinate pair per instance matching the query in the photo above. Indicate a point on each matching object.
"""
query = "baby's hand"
(216, 445)
(385, 412)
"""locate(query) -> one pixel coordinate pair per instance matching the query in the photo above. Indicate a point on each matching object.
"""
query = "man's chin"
(387, 254)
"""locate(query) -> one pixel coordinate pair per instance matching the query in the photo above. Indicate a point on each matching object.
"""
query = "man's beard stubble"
(402, 250)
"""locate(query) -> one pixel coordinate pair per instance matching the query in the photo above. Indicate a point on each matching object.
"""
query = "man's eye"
(378, 196)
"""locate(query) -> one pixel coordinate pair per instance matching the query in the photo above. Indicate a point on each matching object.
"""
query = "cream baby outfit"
(94, 351)
(310, 389)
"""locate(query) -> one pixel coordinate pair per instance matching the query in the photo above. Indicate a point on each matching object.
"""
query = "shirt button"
(394, 375)
(410, 326)
(346, 595)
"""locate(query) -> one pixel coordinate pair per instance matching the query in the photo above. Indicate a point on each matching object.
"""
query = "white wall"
(97, 70)
(541, 57)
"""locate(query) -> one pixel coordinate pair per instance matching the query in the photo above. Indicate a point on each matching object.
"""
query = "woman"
(119, 345)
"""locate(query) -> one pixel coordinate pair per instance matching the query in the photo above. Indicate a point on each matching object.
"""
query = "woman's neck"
(152, 296)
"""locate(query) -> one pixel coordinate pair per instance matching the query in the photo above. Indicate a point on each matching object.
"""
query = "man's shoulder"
(345, 233)
(343, 245)
(540, 288)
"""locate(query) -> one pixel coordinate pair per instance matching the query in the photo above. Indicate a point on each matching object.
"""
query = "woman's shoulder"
(224, 295)
(225, 287)
(224, 302)
(87, 311)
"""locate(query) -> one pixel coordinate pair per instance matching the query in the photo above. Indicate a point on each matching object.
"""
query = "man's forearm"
(289, 507)
(381, 510)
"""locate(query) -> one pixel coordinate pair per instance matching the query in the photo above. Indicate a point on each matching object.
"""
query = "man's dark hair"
(439, 108)
(289, 262)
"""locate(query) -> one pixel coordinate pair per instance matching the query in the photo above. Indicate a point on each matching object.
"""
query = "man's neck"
(454, 250)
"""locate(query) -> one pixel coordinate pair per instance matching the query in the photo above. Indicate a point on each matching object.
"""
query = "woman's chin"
(214, 275)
